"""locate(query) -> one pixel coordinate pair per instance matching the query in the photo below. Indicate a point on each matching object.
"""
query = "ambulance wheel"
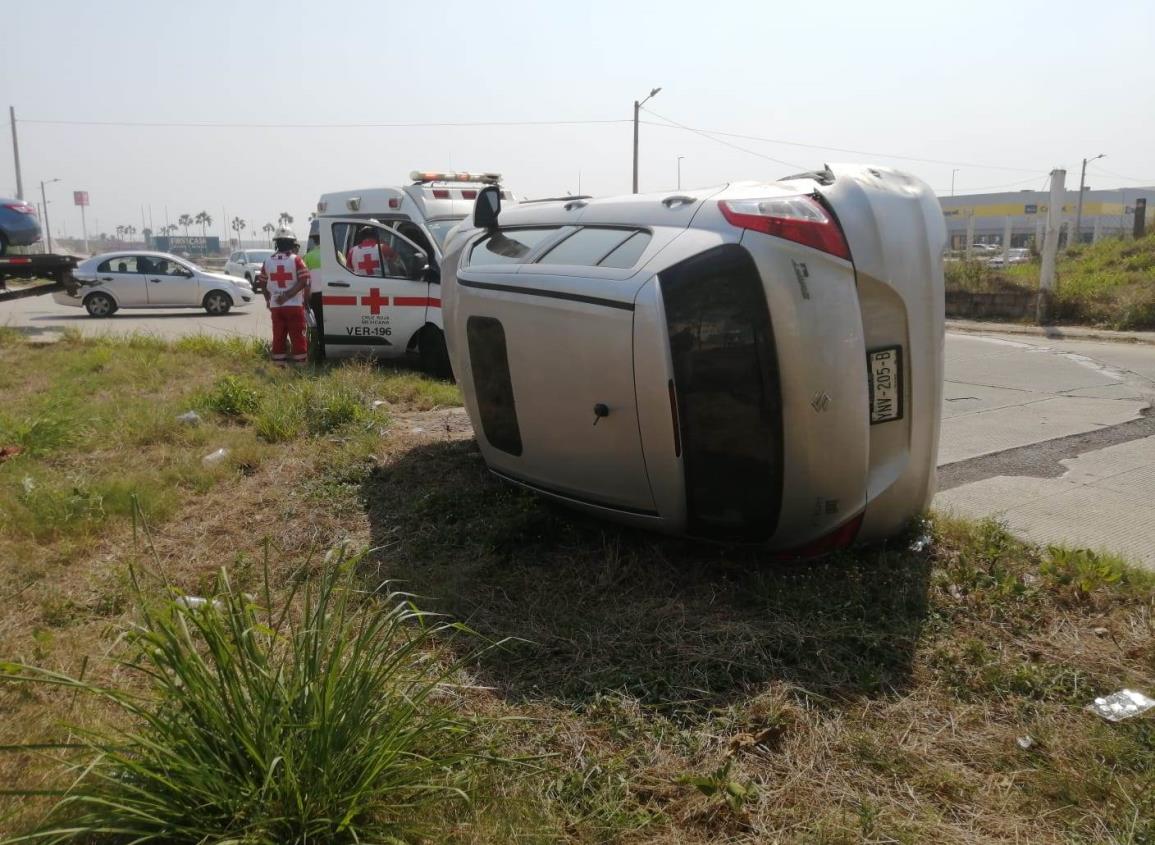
(99, 305)
(217, 303)
(434, 354)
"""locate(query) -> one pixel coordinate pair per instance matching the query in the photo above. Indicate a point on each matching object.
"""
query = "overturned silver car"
(756, 362)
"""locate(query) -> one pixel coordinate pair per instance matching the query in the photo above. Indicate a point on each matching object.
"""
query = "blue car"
(19, 225)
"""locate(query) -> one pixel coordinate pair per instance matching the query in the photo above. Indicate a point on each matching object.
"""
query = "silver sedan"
(106, 283)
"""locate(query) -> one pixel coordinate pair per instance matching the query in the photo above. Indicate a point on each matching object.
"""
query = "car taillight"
(22, 207)
(841, 537)
(801, 219)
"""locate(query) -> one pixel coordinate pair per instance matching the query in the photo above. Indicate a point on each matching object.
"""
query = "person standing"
(285, 278)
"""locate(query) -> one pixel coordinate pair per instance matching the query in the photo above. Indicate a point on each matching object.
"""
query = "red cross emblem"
(374, 300)
(281, 275)
(368, 264)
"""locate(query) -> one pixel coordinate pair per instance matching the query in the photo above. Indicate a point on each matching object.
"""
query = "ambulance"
(387, 304)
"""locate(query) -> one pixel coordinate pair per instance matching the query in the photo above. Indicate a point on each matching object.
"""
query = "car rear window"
(728, 395)
(508, 246)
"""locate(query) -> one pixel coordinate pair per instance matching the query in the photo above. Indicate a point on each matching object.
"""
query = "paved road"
(1053, 436)
(40, 315)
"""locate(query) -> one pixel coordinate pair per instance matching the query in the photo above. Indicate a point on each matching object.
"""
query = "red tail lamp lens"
(801, 219)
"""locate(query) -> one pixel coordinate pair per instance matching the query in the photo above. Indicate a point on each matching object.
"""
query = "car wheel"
(434, 354)
(249, 278)
(99, 305)
(217, 303)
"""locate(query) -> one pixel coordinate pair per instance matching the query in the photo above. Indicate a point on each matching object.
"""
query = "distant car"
(246, 263)
(1014, 256)
(106, 283)
(18, 224)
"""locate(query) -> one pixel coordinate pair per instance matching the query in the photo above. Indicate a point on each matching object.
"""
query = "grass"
(656, 690)
(1110, 283)
(323, 720)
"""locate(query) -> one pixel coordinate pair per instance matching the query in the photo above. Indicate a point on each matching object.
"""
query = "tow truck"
(390, 307)
(58, 268)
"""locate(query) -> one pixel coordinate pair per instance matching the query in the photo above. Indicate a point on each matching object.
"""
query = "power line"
(222, 125)
(1034, 178)
(711, 137)
(711, 132)
(1121, 176)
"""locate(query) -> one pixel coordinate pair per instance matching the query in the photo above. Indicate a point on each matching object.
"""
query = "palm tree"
(285, 219)
(238, 227)
(268, 229)
(205, 220)
(146, 233)
(129, 231)
(120, 233)
(170, 229)
(186, 221)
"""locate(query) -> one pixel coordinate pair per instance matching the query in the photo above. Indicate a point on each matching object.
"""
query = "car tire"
(99, 305)
(217, 303)
(249, 279)
(434, 354)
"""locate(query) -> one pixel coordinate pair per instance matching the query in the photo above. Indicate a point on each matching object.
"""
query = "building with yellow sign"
(1106, 213)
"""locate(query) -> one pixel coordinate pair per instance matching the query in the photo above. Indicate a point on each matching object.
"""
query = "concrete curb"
(1051, 332)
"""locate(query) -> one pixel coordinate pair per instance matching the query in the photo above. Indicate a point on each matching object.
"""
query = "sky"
(991, 94)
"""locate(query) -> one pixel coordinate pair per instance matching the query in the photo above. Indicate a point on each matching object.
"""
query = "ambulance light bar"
(450, 176)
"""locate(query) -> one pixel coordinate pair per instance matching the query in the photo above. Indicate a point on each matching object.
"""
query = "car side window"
(164, 267)
(599, 247)
(508, 246)
(120, 264)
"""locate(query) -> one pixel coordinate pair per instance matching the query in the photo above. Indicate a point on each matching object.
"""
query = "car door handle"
(572, 204)
(155, 281)
(678, 199)
(106, 278)
(338, 284)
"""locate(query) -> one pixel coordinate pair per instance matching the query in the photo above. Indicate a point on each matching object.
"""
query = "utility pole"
(637, 108)
(952, 173)
(1079, 202)
(44, 199)
(680, 172)
(1043, 308)
(16, 154)
(1007, 243)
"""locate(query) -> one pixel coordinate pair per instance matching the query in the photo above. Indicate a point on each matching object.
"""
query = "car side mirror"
(487, 208)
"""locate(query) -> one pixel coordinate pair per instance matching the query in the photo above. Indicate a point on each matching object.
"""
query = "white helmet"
(284, 233)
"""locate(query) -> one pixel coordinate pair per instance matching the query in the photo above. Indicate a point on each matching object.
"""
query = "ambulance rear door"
(377, 304)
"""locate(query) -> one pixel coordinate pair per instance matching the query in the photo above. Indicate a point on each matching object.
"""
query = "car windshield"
(256, 255)
(440, 228)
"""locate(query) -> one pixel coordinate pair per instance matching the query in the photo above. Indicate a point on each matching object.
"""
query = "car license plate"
(885, 384)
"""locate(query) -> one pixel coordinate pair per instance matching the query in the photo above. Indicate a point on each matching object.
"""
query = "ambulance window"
(489, 360)
(441, 228)
(586, 247)
(508, 246)
(728, 392)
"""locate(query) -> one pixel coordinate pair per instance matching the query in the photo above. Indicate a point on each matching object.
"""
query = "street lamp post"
(1079, 202)
(680, 172)
(44, 199)
(952, 173)
(637, 108)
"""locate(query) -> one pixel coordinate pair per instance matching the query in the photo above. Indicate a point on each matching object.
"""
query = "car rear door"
(119, 276)
(550, 357)
(376, 307)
